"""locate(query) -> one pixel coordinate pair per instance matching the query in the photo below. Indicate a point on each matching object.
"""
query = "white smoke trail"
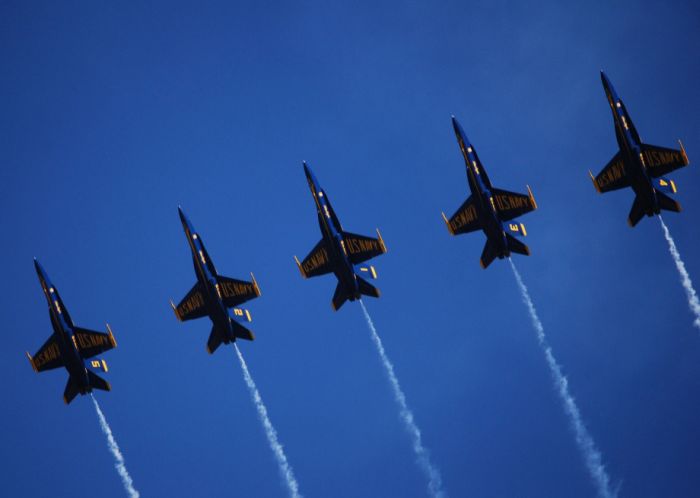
(422, 456)
(114, 449)
(586, 445)
(693, 301)
(285, 469)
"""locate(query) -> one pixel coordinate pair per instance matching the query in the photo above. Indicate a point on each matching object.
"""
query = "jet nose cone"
(606, 81)
(459, 131)
(183, 218)
(307, 170)
(40, 271)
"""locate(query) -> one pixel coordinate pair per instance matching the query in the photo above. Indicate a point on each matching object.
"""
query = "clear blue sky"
(113, 114)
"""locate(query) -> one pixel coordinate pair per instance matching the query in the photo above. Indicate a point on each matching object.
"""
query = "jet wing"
(465, 219)
(361, 248)
(660, 160)
(234, 292)
(91, 343)
(511, 204)
(613, 176)
(318, 261)
(48, 357)
(192, 305)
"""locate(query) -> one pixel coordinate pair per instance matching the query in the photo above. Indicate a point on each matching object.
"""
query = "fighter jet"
(638, 165)
(69, 346)
(340, 252)
(214, 294)
(489, 209)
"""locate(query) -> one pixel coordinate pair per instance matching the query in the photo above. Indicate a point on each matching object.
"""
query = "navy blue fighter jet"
(638, 165)
(69, 346)
(489, 209)
(214, 294)
(339, 252)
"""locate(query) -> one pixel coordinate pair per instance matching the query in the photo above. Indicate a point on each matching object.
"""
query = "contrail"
(693, 301)
(285, 469)
(114, 448)
(422, 456)
(586, 445)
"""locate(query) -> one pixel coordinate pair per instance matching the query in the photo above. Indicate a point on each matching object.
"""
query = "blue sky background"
(112, 115)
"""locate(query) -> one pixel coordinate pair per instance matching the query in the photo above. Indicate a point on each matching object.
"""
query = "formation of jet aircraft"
(493, 211)
(70, 346)
(638, 165)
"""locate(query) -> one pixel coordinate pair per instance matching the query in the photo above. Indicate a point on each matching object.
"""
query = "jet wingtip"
(532, 197)
(447, 223)
(31, 361)
(381, 242)
(111, 336)
(595, 183)
(255, 285)
(685, 156)
(177, 314)
(301, 270)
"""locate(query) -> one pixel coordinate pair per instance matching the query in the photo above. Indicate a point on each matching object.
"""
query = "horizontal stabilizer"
(637, 212)
(488, 254)
(339, 297)
(665, 185)
(667, 204)
(514, 245)
(517, 229)
(241, 332)
(215, 340)
(97, 382)
(366, 271)
(98, 364)
(366, 288)
(71, 391)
